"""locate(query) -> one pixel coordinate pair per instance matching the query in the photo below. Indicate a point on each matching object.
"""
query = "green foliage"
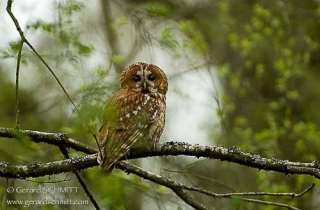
(196, 40)
(265, 105)
(117, 59)
(159, 9)
(71, 7)
(66, 33)
(167, 40)
(12, 52)
(41, 25)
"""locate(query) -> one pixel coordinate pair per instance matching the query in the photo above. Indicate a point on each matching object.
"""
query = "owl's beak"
(144, 85)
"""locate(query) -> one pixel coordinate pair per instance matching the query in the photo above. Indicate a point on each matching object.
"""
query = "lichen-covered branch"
(36, 169)
(57, 139)
(235, 155)
(82, 162)
(231, 154)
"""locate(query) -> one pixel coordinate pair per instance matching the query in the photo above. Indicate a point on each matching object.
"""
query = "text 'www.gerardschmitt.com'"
(45, 195)
(47, 201)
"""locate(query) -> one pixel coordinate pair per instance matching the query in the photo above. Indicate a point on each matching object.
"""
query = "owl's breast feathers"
(132, 119)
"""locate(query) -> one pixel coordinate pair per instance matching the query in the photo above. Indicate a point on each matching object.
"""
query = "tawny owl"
(134, 116)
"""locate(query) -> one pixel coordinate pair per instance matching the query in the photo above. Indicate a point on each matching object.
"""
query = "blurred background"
(242, 73)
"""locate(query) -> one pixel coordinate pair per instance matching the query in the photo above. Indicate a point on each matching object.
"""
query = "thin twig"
(291, 195)
(65, 153)
(188, 199)
(17, 85)
(179, 188)
(236, 196)
(23, 39)
(268, 203)
(201, 177)
(174, 186)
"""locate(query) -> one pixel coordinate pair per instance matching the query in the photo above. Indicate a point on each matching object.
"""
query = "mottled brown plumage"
(134, 116)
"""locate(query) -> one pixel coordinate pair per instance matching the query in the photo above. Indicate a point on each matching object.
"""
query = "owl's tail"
(105, 166)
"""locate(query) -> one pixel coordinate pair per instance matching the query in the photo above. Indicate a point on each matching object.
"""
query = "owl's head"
(143, 77)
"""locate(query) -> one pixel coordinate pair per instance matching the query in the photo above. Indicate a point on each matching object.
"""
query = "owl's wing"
(116, 136)
(115, 142)
(126, 124)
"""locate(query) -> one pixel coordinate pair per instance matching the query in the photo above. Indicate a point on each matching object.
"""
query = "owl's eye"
(136, 78)
(151, 77)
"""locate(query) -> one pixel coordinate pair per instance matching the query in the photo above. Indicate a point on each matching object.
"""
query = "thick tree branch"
(78, 163)
(231, 154)
(57, 139)
(37, 169)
